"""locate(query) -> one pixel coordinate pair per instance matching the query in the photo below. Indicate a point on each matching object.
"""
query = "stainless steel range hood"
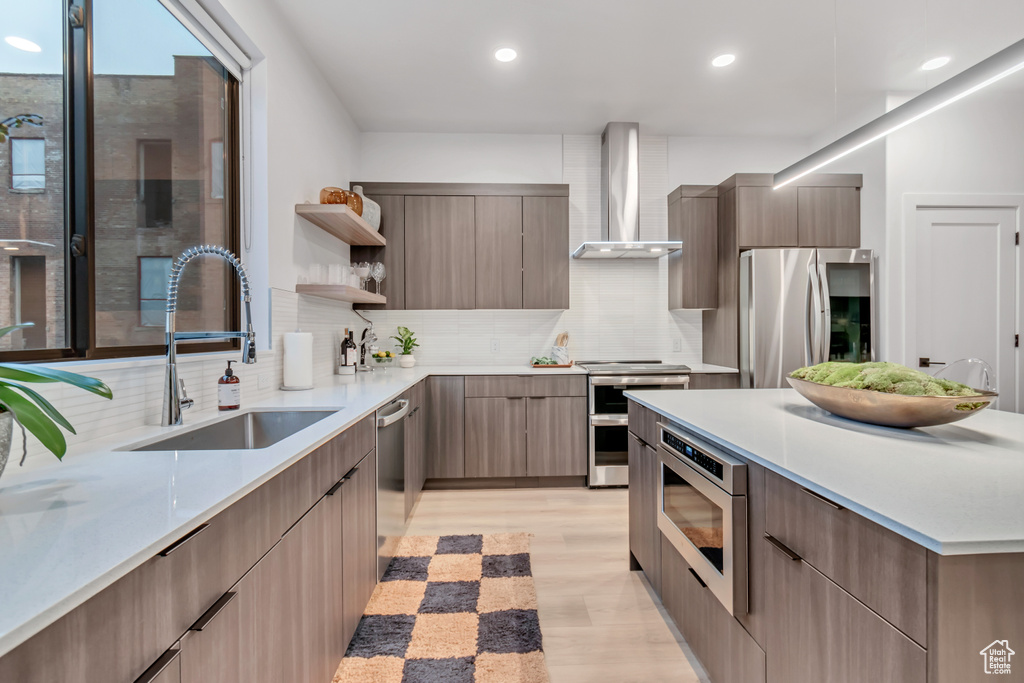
(620, 200)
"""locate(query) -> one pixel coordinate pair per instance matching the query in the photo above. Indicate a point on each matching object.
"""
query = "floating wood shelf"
(342, 222)
(342, 293)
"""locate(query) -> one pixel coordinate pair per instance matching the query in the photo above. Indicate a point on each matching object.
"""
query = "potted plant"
(19, 403)
(406, 342)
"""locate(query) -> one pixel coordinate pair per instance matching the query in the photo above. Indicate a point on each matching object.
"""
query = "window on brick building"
(28, 164)
(153, 274)
(123, 153)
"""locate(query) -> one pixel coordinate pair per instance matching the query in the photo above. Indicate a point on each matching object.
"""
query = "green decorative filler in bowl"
(888, 394)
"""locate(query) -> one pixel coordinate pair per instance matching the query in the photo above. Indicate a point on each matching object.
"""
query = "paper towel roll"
(298, 361)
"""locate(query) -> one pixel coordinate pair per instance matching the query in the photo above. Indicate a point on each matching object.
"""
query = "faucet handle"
(185, 401)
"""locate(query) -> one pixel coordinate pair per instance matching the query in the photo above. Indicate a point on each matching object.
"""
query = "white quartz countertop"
(70, 529)
(956, 489)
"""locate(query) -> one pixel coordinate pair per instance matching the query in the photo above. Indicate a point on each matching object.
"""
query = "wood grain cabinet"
(440, 252)
(499, 252)
(693, 270)
(495, 437)
(546, 252)
(828, 216)
(446, 427)
(415, 447)
(819, 632)
(359, 535)
(466, 246)
(556, 437)
(644, 535)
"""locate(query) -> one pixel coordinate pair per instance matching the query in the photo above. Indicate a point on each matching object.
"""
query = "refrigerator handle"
(826, 317)
(812, 317)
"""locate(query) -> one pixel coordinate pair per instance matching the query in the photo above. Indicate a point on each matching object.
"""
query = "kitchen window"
(128, 148)
(28, 164)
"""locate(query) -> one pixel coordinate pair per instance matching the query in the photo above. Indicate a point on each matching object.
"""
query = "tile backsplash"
(617, 309)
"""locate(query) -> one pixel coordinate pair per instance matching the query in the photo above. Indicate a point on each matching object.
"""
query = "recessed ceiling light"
(936, 63)
(505, 54)
(723, 60)
(22, 44)
(10, 248)
(656, 249)
(606, 250)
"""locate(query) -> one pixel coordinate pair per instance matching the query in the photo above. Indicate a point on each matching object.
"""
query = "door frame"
(912, 203)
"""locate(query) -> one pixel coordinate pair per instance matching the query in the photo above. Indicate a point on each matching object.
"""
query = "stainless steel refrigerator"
(802, 307)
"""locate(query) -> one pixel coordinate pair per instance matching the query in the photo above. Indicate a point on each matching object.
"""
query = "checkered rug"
(451, 609)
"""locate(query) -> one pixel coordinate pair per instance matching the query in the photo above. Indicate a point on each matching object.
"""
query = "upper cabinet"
(546, 252)
(693, 270)
(440, 252)
(466, 246)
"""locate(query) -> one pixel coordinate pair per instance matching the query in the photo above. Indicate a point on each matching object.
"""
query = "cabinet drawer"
(352, 445)
(883, 570)
(496, 386)
(722, 645)
(559, 385)
(818, 632)
(644, 423)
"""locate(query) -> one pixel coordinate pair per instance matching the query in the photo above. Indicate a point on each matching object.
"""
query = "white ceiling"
(410, 65)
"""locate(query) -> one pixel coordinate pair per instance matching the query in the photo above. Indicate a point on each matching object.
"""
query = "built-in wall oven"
(702, 511)
(609, 421)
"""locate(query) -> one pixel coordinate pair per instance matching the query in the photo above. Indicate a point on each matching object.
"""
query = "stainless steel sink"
(250, 430)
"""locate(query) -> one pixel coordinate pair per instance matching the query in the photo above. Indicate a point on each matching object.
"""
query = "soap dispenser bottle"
(229, 390)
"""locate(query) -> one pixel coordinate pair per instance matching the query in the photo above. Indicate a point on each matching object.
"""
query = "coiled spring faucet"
(175, 398)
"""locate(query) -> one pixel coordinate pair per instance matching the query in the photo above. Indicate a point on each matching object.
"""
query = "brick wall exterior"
(186, 109)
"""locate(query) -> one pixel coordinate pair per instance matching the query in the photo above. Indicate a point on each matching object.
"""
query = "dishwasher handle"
(392, 418)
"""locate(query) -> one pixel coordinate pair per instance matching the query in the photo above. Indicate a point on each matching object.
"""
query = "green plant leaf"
(34, 373)
(4, 331)
(44, 405)
(34, 420)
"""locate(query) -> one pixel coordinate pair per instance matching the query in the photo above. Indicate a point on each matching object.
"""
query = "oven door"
(609, 450)
(708, 527)
(606, 392)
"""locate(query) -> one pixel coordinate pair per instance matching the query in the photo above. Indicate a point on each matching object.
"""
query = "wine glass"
(362, 269)
(377, 272)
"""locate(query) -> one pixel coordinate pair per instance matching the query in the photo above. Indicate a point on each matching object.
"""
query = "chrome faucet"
(175, 398)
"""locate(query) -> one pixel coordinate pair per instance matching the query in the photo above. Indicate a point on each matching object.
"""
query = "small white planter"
(407, 361)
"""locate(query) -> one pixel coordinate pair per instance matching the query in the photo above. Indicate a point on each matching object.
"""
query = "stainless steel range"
(608, 453)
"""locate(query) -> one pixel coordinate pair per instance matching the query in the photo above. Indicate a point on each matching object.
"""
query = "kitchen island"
(873, 553)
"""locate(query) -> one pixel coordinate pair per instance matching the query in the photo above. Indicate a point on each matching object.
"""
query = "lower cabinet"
(722, 645)
(496, 437)
(556, 437)
(819, 632)
(415, 447)
(359, 535)
(644, 535)
(515, 436)
(446, 427)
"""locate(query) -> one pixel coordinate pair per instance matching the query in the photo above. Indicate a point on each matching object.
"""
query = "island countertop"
(956, 489)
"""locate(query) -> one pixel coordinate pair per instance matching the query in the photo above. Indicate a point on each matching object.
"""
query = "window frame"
(79, 210)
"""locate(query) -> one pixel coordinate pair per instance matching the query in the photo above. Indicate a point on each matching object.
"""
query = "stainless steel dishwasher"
(390, 480)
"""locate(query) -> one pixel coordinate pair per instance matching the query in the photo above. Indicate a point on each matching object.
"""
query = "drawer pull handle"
(821, 498)
(638, 439)
(183, 540)
(164, 661)
(697, 576)
(334, 489)
(212, 613)
(777, 544)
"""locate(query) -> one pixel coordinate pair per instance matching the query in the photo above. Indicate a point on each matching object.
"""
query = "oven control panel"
(694, 455)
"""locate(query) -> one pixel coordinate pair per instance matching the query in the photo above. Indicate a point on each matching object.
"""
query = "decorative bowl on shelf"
(892, 410)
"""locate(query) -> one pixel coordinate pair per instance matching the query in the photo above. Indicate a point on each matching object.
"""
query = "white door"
(966, 291)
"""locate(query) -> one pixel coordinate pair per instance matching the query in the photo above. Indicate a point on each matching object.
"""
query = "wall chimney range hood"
(620, 200)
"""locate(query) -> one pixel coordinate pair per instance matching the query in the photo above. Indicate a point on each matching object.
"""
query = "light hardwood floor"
(600, 621)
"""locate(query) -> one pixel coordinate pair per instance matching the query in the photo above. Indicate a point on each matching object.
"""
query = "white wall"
(444, 158)
(975, 146)
(710, 160)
